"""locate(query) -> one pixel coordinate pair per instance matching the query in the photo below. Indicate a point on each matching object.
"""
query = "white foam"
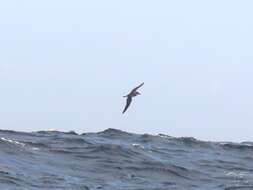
(12, 141)
(19, 143)
(138, 145)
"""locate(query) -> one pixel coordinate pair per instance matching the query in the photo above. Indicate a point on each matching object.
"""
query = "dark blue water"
(114, 159)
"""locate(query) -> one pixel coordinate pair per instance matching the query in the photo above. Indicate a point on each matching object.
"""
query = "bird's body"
(130, 96)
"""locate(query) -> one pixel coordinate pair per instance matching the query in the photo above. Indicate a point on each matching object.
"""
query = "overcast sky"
(66, 65)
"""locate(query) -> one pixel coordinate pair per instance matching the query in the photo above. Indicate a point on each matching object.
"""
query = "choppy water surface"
(114, 159)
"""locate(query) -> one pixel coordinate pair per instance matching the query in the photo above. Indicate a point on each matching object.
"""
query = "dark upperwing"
(136, 88)
(128, 102)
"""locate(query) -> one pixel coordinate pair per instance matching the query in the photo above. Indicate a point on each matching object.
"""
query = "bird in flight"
(129, 97)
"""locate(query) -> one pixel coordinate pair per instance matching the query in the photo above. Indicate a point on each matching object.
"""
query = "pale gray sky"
(66, 65)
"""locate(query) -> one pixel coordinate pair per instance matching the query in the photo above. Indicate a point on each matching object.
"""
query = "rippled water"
(118, 160)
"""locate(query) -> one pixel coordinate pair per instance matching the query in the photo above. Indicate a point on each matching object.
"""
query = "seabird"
(132, 94)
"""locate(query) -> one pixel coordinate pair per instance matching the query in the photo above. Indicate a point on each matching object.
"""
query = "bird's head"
(137, 93)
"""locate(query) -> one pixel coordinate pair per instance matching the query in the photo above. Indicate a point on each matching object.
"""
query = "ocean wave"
(114, 159)
(240, 187)
(237, 146)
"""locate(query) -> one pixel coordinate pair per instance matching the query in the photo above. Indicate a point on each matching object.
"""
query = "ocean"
(118, 160)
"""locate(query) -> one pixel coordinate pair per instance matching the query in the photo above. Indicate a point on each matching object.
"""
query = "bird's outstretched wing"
(136, 88)
(128, 102)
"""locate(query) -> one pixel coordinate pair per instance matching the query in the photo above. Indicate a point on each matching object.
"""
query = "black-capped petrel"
(132, 94)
